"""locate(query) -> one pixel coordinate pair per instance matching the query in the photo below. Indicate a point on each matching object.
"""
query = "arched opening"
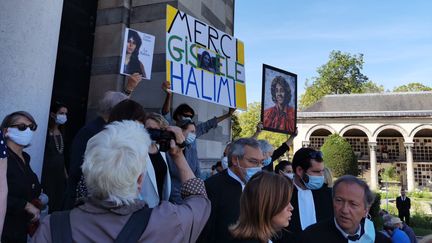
(390, 146)
(422, 155)
(359, 143)
(390, 151)
(318, 137)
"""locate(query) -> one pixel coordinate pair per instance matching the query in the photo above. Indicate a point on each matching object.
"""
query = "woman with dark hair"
(284, 167)
(265, 208)
(22, 213)
(132, 64)
(54, 171)
(281, 116)
(206, 62)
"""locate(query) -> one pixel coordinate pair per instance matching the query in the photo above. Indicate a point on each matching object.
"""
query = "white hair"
(265, 146)
(109, 100)
(113, 161)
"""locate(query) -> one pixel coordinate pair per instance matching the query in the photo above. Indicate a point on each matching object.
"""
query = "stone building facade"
(383, 129)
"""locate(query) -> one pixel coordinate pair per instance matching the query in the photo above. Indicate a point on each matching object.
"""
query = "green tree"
(371, 87)
(248, 121)
(412, 87)
(236, 128)
(339, 156)
(340, 75)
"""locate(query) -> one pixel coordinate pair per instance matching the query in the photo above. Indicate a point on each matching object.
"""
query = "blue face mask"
(251, 171)
(315, 182)
(369, 232)
(225, 162)
(190, 138)
(267, 161)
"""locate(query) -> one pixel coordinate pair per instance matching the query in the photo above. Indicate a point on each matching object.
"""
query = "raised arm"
(167, 103)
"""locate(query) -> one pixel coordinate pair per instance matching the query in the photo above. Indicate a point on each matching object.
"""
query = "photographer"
(114, 172)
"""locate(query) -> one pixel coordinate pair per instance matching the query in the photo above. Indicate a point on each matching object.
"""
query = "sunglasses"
(316, 155)
(23, 127)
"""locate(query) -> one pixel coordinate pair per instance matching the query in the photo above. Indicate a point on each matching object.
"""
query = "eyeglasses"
(253, 161)
(23, 127)
(316, 155)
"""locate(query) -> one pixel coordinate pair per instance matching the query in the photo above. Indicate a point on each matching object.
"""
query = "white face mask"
(22, 138)
(289, 175)
(61, 119)
(225, 162)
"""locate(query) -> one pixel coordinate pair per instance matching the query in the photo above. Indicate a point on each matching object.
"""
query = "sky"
(395, 37)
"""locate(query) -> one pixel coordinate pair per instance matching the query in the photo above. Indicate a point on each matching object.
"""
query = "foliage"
(421, 220)
(248, 121)
(371, 87)
(412, 87)
(390, 174)
(339, 156)
(340, 75)
(374, 212)
(420, 193)
(236, 128)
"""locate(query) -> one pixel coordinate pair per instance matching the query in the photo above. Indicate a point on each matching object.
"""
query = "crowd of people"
(135, 176)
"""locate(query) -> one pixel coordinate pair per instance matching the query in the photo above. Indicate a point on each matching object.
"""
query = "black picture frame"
(270, 115)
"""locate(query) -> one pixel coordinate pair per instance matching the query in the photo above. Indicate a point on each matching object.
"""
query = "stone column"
(373, 165)
(410, 166)
(29, 32)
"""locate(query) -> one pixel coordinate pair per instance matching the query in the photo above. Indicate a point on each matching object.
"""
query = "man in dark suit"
(224, 189)
(352, 199)
(403, 204)
(311, 197)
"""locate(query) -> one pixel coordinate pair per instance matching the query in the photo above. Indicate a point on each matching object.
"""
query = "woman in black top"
(265, 208)
(54, 171)
(22, 214)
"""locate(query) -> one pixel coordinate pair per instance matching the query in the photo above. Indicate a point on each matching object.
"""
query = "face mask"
(315, 182)
(289, 175)
(251, 171)
(369, 232)
(61, 119)
(185, 118)
(22, 138)
(225, 162)
(267, 161)
(190, 138)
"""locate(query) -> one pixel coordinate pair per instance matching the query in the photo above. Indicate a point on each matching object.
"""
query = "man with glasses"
(224, 189)
(312, 199)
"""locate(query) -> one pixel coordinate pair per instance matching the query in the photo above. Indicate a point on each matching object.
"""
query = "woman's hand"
(32, 210)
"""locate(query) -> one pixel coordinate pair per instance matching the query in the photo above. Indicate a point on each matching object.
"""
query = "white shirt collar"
(235, 177)
(358, 232)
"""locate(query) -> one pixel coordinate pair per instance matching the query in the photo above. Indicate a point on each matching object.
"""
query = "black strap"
(135, 226)
(60, 227)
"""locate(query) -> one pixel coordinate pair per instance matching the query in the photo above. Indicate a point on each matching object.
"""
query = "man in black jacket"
(352, 199)
(403, 204)
(311, 197)
(224, 189)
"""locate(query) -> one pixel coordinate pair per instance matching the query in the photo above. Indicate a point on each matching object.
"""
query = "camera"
(162, 138)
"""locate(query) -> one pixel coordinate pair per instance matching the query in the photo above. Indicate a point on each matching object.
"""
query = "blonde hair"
(328, 177)
(265, 195)
(113, 161)
(163, 123)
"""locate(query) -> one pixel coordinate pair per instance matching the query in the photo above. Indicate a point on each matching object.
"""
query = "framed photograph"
(279, 100)
(137, 55)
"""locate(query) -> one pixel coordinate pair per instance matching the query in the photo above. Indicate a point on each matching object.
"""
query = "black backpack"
(131, 232)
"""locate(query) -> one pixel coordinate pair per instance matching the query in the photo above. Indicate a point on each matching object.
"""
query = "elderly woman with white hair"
(114, 165)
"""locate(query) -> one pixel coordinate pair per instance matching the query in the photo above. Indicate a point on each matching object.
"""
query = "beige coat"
(101, 222)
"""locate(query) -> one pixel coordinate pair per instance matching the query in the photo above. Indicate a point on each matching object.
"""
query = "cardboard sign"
(203, 62)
